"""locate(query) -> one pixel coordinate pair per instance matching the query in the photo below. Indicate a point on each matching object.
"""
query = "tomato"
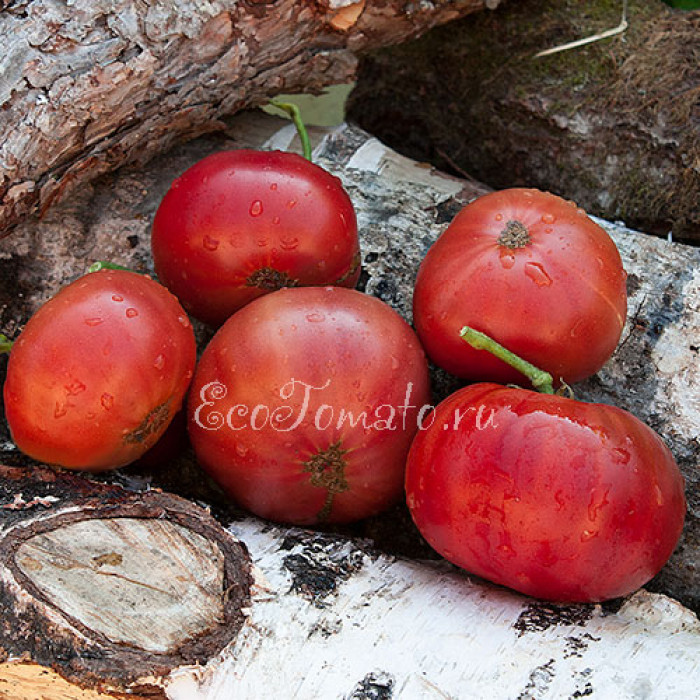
(530, 270)
(304, 404)
(239, 224)
(556, 498)
(98, 372)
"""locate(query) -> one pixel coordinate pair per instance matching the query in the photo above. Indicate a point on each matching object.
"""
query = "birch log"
(338, 617)
(88, 86)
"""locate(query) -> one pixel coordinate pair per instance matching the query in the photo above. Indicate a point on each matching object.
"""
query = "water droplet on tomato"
(506, 549)
(537, 274)
(107, 401)
(75, 387)
(94, 321)
(588, 535)
(256, 208)
(275, 220)
(241, 449)
(548, 229)
(184, 321)
(60, 410)
(117, 297)
(90, 415)
(599, 499)
(498, 217)
(289, 243)
(131, 312)
(620, 455)
(262, 242)
(506, 258)
(395, 364)
(315, 317)
(159, 362)
(273, 186)
(210, 243)
(548, 218)
(291, 203)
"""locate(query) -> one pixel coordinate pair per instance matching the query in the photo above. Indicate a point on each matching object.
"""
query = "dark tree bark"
(86, 87)
(613, 125)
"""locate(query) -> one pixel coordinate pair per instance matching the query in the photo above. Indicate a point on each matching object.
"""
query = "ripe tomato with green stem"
(304, 404)
(99, 371)
(553, 497)
(532, 271)
(242, 223)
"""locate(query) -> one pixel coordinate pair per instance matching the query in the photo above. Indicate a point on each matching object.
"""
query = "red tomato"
(556, 498)
(98, 372)
(240, 224)
(533, 272)
(304, 404)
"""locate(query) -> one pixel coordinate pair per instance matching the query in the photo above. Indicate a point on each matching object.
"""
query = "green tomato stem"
(5, 345)
(293, 111)
(105, 265)
(541, 380)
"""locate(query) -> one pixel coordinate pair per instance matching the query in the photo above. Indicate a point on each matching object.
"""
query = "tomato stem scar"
(541, 380)
(5, 344)
(514, 235)
(293, 111)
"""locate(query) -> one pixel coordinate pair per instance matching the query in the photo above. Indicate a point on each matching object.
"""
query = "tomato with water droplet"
(585, 525)
(524, 267)
(240, 225)
(312, 425)
(68, 402)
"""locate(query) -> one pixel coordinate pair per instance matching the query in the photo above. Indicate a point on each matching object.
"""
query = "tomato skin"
(559, 301)
(555, 498)
(99, 371)
(359, 355)
(239, 224)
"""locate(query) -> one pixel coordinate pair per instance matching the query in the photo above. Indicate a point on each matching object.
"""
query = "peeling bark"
(86, 87)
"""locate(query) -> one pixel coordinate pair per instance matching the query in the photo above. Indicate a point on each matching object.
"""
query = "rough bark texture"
(614, 125)
(87, 86)
(114, 589)
(353, 622)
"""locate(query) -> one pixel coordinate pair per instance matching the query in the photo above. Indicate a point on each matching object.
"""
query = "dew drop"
(620, 455)
(60, 410)
(90, 415)
(291, 203)
(210, 243)
(275, 220)
(184, 321)
(131, 312)
(588, 535)
(117, 297)
(262, 242)
(95, 321)
(289, 243)
(498, 217)
(159, 362)
(74, 388)
(273, 186)
(315, 317)
(537, 274)
(548, 218)
(548, 229)
(241, 450)
(395, 364)
(256, 208)
(506, 258)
